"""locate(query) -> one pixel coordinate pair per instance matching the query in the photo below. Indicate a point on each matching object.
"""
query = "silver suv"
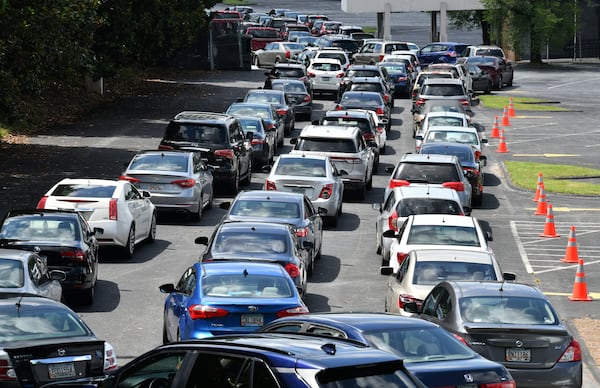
(442, 88)
(347, 149)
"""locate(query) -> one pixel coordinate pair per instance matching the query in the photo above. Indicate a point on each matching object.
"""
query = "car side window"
(225, 370)
(444, 305)
(161, 367)
(430, 302)
(309, 209)
(236, 132)
(389, 202)
(403, 268)
(131, 193)
(37, 271)
(360, 143)
(187, 282)
(325, 330)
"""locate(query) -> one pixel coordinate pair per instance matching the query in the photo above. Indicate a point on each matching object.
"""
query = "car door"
(267, 57)
(397, 284)
(364, 54)
(241, 148)
(436, 305)
(175, 308)
(316, 223)
(203, 177)
(366, 155)
(140, 209)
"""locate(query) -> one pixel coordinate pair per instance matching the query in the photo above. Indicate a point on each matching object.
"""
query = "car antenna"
(18, 305)
(245, 273)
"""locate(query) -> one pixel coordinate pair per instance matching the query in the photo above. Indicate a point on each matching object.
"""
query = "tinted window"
(326, 145)
(39, 322)
(240, 285)
(197, 133)
(363, 73)
(427, 172)
(76, 190)
(164, 365)
(465, 156)
(508, 310)
(244, 110)
(442, 90)
(371, 375)
(362, 99)
(250, 125)
(366, 87)
(301, 167)
(266, 208)
(262, 33)
(161, 162)
(36, 228)
(228, 242)
(443, 235)
(433, 272)
(409, 206)
(364, 125)
(290, 72)
(11, 274)
(326, 66)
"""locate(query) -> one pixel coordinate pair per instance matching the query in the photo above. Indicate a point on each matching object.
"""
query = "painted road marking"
(548, 155)
(593, 295)
(567, 209)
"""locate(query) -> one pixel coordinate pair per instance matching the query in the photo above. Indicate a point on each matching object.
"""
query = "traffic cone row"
(495, 130)
(511, 108)
(505, 121)
(502, 145)
(580, 293)
(540, 185)
(549, 229)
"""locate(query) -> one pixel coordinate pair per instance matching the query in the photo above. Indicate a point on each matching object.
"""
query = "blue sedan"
(227, 297)
(400, 77)
(430, 353)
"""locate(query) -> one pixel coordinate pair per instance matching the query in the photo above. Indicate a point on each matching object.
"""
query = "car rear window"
(34, 228)
(442, 90)
(263, 112)
(83, 190)
(250, 125)
(29, 324)
(361, 99)
(293, 46)
(326, 66)
(263, 98)
(409, 206)
(301, 167)
(465, 236)
(160, 162)
(339, 56)
(465, 156)
(196, 133)
(347, 45)
(433, 272)
(289, 87)
(435, 173)
(263, 33)
(290, 72)
(245, 285)
(395, 47)
(363, 73)
(265, 208)
(491, 52)
(366, 87)
(326, 145)
(234, 242)
(11, 272)
(364, 125)
(445, 121)
(507, 310)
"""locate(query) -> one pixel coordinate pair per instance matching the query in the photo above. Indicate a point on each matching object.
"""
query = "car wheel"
(165, 336)
(510, 83)
(209, 205)
(488, 88)
(88, 295)
(378, 244)
(499, 86)
(152, 232)
(235, 184)
(478, 199)
(197, 215)
(248, 178)
(129, 247)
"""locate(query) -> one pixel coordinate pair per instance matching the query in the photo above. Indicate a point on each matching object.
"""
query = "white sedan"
(125, 215)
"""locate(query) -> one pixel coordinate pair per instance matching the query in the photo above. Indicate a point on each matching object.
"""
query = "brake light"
(379, 111)
(110, 357)
(473, 170)
(200, 311)
(464, 102)
(369, 136)
(7, 372)
(42, 203)
(393, 221)
(477, 155)
(311, 74)
(326, 191)
(398, 183)
(405, 298)
(571, 353)
(307, 98)
(165, 147)
(270, 125)
(400, 256)
(257, 142)
(113, 213)
(460, 339)
(129, 179)
(224, 154)
(458, 186)
(293, 311)
(292, 270)
(302, 232)
(386, 98)
(185, 182)
(452, 53)
(381, 57)
(339, 107)
(282, 112)
(288, 54)
(501, 384)
(270, 185)
(75, 256)
(420, 101)
(339, 75)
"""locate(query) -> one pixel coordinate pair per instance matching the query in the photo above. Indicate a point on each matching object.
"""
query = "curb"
(588, 360)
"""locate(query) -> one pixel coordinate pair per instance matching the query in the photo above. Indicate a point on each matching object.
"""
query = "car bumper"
(115, 233)
(303, 109)
(563, 374)
(179, 203)
(330, 204)
(325, 86)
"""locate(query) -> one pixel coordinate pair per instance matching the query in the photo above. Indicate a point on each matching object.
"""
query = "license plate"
(325, 79)
(298, 190)
(150, 186)
(252, 320)
(61, 371)
(518, 355)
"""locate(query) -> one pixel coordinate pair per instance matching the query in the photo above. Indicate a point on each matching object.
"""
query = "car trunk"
(310, 188)
(92, 209)
(58, 256)
(159, 183)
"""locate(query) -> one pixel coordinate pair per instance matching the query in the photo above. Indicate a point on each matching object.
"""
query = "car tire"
(197, 215)
(499, 85)
(235, 183)
(248, 178)
(129, 247)
(87, 298)
(209, 205)
(510, 83)
(152, 232)
(488, 88)
(165, 337)
(256, 61)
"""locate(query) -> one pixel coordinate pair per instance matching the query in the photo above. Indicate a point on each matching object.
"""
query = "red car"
(499, 69)
(261, 36)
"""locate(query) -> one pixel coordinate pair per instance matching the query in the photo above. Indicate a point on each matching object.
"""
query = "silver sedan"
(312, 175)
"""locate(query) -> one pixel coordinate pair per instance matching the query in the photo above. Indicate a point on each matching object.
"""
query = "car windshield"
(443, 235)
(301, 167)
(33, 324)
(427, 173)
(418, 344)
(39, 229)
(265, 208)
(326, 145)
(491, 52)
(196, 133)
(234, 242)
(11, 274)
(409, 206)
(433, 272)
(504, 309)
(160, 162)
(245, 284)
(245, 110)
(452, 137)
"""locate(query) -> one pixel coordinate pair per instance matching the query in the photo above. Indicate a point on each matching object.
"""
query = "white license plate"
(518, 355)
(252, 320)
(61, 371)
(325, 79)
(300, 190)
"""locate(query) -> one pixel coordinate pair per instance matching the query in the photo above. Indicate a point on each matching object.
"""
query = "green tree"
(468, 20)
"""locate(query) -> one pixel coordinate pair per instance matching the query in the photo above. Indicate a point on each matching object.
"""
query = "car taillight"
(270, 125)
(42, 203)
(401, 78)
(311, 74)
(501, 384)
(113, 213)
(393, 221)
(7, 372)
(381, 57)
(200, 311)
(398, 183)
(477, 155)
(292, 270)
(302, 232)
(307, 98)
(473, 170)
(129, 179)
(405, 298)
(339, 75)
(165, 147)
(110, 357)
(270, 185)
(457, 186)
(400, 256)
(76, 256)
(339, 107)
(184, 182)
(452, 54)
(369, 136)
(288, 54)
(257, 142)
(386, 98)
(347, 160)
(379, 111)
(420, 101)
(464, 102)
(224, 154)
(282, 112)
(293, 311)
(571, 353)
(326, 191)
(460, 339)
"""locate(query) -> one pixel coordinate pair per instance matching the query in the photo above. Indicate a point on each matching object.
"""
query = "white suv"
(346, 148)
(333, 53)
(326, 74)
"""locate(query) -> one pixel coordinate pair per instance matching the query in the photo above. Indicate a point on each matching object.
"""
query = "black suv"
(221, 141)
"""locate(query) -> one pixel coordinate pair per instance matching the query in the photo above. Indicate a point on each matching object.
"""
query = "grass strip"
(555, 176)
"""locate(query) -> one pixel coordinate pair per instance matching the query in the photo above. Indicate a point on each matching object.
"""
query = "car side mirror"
(342, 172)
(483, 160)
(389, 234)
(488, 236)
(315, 122)
(509, 276)
(467, 210)
(167, 288)
(225, 205)
(239, 100)
(266, 169)
(372, 144)
(201, 240)
(389, 170)
(411, 307)
(484, 141)
(386, 270)
(419, 137)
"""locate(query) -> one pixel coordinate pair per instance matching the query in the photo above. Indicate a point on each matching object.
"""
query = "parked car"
(445, 52)
(264, 241)
(265, 360)
(452, 134)
(215, 298)
(296, 94)
(283, 105)
(325, 74)
(471, 163)
(373, 52)
(289, 208)
(262, 36)
(403, 201)
(293, 27)
(265, 111)
(294, 71)
(442, 89)
(350, 153)
(401, 78)
(27, 273)
(220, 140)
(64, 242)
(367, 100)
(510, 323)
(429, 352)
(276, 52)
(43, 341)
(178, 181)
(437, 231)
(313, 18)
(423, 269)
(263, 140)
(314, 176)
(499, 70)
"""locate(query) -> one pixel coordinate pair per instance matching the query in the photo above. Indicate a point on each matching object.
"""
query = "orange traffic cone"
(502, 145)
(549, 230)
(505, 122)
(495, 130)
(571, 255)
(540, 184)
(511, 108)
(580, 293)
(542, 209)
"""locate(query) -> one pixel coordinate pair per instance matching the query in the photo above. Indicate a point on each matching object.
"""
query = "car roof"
(271, 195)
(426, 191)
(478, 257)
(442, 219)
(467, 289)
(31, 302)
(325, 60)
(428, 158)
(329, 131)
